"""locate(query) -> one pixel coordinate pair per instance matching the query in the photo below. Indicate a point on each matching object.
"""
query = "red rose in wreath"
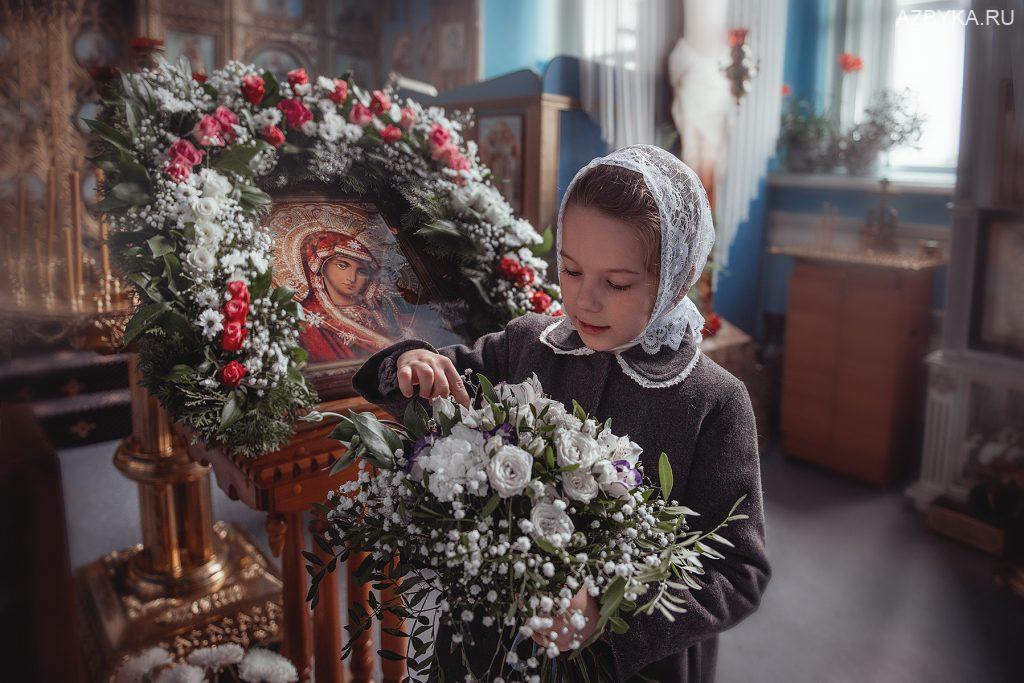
(231, 374)
(233, 335)
(238, 290)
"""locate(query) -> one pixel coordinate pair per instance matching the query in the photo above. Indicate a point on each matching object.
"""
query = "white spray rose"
(575, 448)
(509, 471)
(551, 523)
(580, 485)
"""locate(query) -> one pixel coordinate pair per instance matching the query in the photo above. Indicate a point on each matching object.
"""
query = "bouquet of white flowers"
(495, 516)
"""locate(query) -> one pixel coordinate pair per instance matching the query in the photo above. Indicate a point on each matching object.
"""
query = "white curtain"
(869, 35)
(755, 125)
(622, 50)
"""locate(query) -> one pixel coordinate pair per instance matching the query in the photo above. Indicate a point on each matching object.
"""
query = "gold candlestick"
(51, 231)
(69, 267)
(19, 266)
(76, 222)
(105, 286)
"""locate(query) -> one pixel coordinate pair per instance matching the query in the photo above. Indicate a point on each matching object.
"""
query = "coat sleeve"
(725, 466)
(376, 380)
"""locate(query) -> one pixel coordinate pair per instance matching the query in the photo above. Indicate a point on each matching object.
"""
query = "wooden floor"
(861, 591)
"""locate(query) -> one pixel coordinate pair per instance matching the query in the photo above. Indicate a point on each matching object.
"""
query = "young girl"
(634, 233)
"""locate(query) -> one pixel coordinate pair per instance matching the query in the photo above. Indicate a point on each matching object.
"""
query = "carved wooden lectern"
(284, 484)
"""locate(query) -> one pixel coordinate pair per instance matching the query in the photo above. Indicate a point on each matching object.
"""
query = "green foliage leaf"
(491, 505)
(439, 226)
(131, 194)
(545, 246)
(160, 245)
(109, 133)
(232, 411)
(236, 159)
(665, 476)
(143, 320)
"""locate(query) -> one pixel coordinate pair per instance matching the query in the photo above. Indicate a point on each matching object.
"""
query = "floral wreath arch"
(188, 162)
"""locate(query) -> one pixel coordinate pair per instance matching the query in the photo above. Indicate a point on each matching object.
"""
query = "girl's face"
(346, 276)
(605, 290)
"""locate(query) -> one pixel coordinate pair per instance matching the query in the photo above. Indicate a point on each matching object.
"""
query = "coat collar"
(662, 369)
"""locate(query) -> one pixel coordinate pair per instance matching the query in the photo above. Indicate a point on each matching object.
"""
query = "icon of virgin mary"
(349, 312)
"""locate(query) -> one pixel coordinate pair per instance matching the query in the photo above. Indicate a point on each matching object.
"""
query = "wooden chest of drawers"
(856, 335)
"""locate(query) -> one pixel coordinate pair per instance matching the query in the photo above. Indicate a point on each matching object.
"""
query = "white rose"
(574, 448)
(580, 485)
(208, 233)
(309, 127)
(551, 524)
(215, 185)
(206, 207)
(325, 83)
(509, 471)
(202, 259)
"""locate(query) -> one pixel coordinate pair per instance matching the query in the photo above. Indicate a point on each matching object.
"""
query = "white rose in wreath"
(509, 471)
(208, 233)
(215, 185)
(206, 207)
(202, 258)
(551, 524)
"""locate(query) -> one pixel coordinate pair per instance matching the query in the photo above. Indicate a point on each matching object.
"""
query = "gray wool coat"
(693, 410)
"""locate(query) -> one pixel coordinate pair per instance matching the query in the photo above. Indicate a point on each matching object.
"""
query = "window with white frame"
(906, 44)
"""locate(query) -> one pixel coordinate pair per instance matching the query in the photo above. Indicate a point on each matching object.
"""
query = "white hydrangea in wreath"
(188, 161)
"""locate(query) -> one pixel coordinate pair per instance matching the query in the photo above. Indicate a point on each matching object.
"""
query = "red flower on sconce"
(738, 36)
(850, 62)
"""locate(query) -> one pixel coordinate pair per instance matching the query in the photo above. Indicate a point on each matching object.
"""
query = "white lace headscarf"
(687, 235)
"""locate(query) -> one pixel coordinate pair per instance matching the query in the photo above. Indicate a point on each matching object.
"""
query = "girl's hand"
(591, 610)
(435, 374)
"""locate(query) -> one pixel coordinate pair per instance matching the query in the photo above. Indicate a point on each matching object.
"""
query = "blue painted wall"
(756, 283)
(517, 34)
(739, 295)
